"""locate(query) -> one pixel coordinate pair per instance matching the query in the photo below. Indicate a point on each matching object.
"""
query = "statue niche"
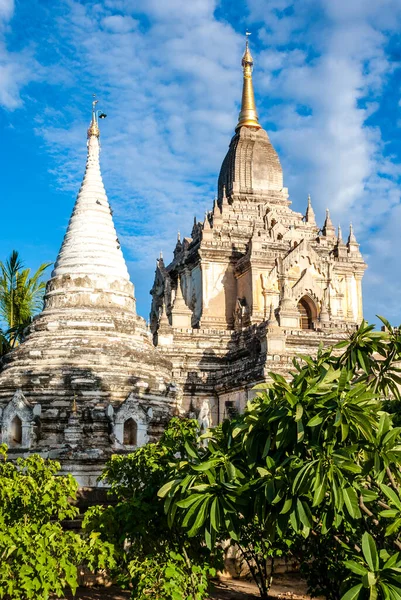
(15, 438)
(130, 433)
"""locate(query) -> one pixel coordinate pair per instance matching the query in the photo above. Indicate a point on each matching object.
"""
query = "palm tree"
(21, 296)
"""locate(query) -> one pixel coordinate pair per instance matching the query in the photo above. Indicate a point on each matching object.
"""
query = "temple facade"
(87, 381)
(255, 283)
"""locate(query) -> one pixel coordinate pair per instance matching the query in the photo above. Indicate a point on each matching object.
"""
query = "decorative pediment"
(17, 421)
(130, 422)
(306, 284)
(18, 405)
(133, 409)
(303, 255)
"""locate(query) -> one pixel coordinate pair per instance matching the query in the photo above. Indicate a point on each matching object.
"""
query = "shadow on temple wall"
(230, 374)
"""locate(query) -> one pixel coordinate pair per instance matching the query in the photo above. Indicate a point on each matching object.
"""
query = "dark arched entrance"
(306, 313)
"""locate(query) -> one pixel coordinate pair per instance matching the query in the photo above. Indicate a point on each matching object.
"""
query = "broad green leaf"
(209, 464)
(187, 502)
(300, 431)
(393, 527)
(369, 579)
(165, 489)
(389, 513)
(370, 552)
(190, 450)
(353, 593)
(316, 420)
(299, 411)
(286, 507)
(355, 567)
(391, 495)
(351, 502)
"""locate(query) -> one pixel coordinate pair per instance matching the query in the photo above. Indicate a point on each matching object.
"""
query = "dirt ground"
(285, 587)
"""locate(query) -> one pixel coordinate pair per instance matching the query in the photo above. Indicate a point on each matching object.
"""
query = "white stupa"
(87, 381)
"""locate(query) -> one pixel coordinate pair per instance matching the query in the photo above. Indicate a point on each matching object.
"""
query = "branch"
(392, 480)
(365, 509)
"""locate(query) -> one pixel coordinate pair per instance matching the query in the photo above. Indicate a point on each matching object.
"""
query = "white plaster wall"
(196, 289)
(213, 282)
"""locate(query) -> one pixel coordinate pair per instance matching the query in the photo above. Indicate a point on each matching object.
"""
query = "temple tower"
(260, 281)
(87, 381)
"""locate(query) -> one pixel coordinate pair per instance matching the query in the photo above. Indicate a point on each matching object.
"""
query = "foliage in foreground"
(311, 470)
(37, 557)
(21, 296)
(157, 560)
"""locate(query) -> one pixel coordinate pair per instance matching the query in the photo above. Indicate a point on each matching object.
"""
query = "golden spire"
(94, 127)
(248, 115)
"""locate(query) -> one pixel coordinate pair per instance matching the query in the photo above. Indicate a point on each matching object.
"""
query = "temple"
(255, 283)
(87, 381)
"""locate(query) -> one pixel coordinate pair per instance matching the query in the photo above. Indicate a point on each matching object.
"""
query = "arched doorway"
(307, 312)
(130, 433)
(16, 431)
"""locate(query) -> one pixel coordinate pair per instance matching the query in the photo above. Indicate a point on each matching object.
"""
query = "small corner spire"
(328, 227)
(351, 237)
(248, 115)
(310, 213)
(339, 234)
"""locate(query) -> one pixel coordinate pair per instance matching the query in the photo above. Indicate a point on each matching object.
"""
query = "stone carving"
(204, 416)
(133, 409)
(17, 408)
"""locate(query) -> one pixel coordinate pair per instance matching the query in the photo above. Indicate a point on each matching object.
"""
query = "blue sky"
(168, 75)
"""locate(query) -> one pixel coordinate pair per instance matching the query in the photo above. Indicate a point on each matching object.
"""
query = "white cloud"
(6, 9)
(17, 69)
(119, 23)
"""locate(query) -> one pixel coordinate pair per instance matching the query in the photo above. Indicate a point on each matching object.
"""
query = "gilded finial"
(96, 115)
(248, 115)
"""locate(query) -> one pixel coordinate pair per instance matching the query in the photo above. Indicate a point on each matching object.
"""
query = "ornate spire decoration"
(352, 244)
(351, 237)
(248, 116)
(340, 249)
(96, 114)
(206, 222)
(328, 227)
(224, 201)
(310, 213)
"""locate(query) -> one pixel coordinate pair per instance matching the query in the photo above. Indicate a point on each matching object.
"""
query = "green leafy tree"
(37, 557)
(310, 467)
(21, 296)
(157, 560)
